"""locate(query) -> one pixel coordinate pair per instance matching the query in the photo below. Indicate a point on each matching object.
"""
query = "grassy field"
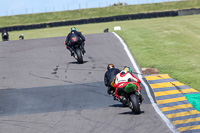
(169, 44)
(95, 12)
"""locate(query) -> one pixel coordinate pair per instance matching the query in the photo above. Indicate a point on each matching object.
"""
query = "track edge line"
(140, 76)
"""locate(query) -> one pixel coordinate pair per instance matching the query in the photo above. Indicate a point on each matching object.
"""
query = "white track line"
(167, 121)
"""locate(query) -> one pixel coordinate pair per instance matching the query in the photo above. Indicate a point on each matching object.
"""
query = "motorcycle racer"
(122, 78)
(72, 37)
(5, 35)
(21, 37)
(109, 77)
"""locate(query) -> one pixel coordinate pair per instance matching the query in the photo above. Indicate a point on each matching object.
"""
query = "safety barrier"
(188, 12)
(103, 19)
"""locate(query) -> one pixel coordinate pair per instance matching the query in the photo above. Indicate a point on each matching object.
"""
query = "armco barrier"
(188, 12)
(99, 20)
(104, 19)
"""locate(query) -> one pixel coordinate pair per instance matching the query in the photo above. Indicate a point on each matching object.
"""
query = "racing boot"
(115, 98)
(72, 53)
(83, 50)
(110, 90)
(71, 50)
(141, 98)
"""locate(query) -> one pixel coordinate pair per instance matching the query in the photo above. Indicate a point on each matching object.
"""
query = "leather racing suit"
(124, 77)
(75, 37)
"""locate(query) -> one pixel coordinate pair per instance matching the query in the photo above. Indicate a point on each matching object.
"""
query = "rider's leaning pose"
(123, 77)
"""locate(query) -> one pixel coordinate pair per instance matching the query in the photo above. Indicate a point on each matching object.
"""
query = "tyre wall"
(104, 19)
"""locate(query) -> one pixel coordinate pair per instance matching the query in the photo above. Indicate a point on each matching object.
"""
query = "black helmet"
(110, 66)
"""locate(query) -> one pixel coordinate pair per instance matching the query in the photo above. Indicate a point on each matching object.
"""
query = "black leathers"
(110, 75)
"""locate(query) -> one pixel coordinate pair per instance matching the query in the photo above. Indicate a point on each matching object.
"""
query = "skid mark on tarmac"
(170, 98)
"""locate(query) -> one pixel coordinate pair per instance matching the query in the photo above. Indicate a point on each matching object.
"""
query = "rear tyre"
(135, 102)
(79, 55)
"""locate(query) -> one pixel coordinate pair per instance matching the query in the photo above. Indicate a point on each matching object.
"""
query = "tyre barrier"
(103, 19)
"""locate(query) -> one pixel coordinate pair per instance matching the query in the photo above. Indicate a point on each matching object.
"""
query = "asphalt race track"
(44, 90)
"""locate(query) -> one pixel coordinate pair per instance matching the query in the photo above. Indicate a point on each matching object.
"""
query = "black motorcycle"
(78, 52)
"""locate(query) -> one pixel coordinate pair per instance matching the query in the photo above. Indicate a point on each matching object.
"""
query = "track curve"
(44, 90)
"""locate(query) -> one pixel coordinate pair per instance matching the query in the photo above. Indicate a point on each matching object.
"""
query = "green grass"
(169, 44)
(95, 12)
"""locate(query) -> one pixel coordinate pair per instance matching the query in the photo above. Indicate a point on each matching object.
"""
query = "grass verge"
(169, 44)
(96, 12)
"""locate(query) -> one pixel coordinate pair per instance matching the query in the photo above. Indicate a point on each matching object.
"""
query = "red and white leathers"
(121, 80)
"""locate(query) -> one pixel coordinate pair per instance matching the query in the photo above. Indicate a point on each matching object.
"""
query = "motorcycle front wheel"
(135, 102)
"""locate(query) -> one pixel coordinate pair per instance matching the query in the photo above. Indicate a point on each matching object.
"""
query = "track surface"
(44, 90)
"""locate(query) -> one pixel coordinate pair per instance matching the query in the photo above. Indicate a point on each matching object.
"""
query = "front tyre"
(135, 102)
(79, 55)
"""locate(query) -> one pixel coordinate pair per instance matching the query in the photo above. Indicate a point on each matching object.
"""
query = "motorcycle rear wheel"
(79, 55)
(135, 102)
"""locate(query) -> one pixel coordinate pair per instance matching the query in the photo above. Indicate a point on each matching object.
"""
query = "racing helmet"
(74, 28)
(110, 66)
(127, 69)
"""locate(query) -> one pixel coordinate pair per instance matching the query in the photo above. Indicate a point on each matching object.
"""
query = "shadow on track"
(53, 99)
(121, 106)
(75, 62)
(117, 105)
(130, 113)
